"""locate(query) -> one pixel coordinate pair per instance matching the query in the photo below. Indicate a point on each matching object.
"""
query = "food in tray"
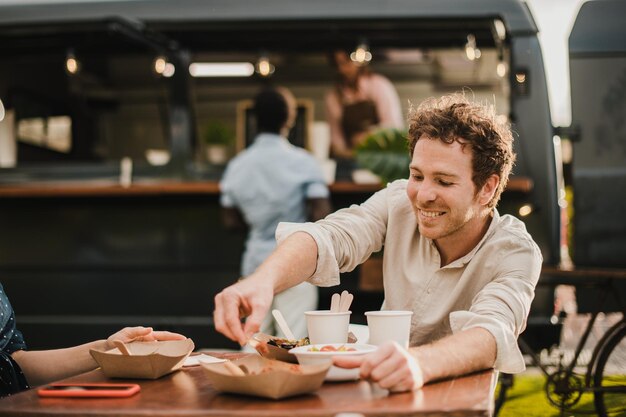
(331, 348)
(265, 378)
(293, 368)
(288, 343)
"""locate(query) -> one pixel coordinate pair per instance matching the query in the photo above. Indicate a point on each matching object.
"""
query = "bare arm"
(459, 354)
(398, 370)
(291, 263)
(41, 367)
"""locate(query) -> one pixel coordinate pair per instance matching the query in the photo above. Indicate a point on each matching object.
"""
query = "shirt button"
(429, 291)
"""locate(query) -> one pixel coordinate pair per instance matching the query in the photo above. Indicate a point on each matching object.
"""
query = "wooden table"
(189, 393)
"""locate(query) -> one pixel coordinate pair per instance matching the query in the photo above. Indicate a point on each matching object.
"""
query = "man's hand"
(248, 298)
(391, 366)
(142, 334)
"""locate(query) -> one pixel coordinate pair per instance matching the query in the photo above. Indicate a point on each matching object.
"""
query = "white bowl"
(306, 356)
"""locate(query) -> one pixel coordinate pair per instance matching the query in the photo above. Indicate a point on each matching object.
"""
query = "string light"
(525, 210)
(162, 67)
(159, 65)
(361, 54)
(72, 65)
(501, 69)
(263, 66)
(500, 29)
(169, 70)
(471, 50)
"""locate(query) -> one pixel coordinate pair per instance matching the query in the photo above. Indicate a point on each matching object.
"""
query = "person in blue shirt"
(274, 181)
(20, 368)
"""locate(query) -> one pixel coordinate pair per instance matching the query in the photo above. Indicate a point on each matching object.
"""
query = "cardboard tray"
(148, 360)
(267, 378)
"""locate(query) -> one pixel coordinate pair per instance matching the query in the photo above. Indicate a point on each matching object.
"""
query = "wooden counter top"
(189, 392)
(103, 188)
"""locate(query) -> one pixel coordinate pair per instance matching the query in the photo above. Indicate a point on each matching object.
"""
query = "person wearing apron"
(360, 102)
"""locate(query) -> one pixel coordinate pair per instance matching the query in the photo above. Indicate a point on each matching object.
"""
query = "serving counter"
(152, 188)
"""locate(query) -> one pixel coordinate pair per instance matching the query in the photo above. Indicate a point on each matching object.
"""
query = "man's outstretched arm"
(291, 263)
(398, 369)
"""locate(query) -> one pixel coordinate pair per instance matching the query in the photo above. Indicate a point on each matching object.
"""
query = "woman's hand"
(141, 334)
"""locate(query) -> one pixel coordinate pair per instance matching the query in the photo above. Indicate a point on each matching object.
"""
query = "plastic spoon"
(283, 324)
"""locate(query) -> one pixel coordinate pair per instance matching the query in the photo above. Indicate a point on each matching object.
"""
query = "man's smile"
(430, 213)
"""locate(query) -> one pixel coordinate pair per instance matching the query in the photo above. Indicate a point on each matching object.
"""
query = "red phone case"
(89, 390)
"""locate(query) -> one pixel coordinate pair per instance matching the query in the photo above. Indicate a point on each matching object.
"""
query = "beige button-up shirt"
(491, 287)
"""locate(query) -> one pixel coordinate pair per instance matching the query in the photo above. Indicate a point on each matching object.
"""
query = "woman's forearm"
(44, 366)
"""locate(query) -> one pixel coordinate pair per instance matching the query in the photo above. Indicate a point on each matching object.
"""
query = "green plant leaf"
(385, 153)
(218, 133)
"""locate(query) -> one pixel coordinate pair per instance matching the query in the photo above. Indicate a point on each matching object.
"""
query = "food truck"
(109, 164)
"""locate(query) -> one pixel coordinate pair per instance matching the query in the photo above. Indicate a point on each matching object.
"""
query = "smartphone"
(85, 390)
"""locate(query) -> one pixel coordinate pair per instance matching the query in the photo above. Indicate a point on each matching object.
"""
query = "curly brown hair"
(455, 118)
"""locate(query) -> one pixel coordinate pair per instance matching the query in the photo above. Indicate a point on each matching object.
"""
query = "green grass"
(527, 398)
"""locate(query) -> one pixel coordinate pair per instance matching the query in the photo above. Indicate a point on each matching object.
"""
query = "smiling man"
(467, 273)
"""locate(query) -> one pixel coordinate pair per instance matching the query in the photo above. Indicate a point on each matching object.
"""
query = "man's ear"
(488, 190)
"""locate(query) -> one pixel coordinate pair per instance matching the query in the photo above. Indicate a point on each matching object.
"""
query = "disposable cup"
(325, 326)
(389, 325)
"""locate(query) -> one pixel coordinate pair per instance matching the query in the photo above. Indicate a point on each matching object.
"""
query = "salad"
(330, 348)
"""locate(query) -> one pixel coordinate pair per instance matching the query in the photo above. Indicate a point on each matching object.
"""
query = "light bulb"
(501, 69)
(160, 63)
(72, 65)
(169, 70)
(361, 54)
(471, 50)
(263, 67)
(525, 210)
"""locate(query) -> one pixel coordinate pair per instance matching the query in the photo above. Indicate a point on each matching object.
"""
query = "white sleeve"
(226, 197)
(502, 306)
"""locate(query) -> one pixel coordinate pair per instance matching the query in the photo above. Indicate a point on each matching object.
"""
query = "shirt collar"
(462, 261)
(267, 138)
